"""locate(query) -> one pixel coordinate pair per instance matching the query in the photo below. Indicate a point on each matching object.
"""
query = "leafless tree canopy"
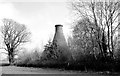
(13, 35)
(104, 15)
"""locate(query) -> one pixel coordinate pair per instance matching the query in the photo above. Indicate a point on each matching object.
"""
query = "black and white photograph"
(59, 37)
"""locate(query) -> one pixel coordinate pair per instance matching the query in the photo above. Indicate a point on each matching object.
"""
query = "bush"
(51, 52)
(29, 59)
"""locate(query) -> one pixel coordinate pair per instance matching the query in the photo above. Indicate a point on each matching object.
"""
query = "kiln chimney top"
(58, 25)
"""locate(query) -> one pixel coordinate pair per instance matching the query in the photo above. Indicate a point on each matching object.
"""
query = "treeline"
(95, 38)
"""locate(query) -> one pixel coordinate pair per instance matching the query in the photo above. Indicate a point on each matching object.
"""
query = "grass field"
(7, 69)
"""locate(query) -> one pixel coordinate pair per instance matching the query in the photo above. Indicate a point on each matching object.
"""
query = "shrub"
(52, 55)
(29, 59)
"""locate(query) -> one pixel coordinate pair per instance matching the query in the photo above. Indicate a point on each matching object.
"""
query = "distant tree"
(13, 35)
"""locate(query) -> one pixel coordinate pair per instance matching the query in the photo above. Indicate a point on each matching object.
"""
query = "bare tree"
(104, 14)
(13, 35)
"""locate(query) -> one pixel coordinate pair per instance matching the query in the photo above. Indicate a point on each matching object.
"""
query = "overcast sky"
(40, 17)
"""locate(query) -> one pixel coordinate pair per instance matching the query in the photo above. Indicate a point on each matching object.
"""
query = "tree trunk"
(112, 47)
(104, 45)
(10, 60)
(109, 39)
(11, 57)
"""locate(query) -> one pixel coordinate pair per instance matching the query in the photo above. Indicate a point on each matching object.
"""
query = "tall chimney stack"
(59, 39)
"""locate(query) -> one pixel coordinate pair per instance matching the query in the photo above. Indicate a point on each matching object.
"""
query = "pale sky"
(40, 17)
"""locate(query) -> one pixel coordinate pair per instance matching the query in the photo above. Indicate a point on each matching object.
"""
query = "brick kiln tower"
(59, 39)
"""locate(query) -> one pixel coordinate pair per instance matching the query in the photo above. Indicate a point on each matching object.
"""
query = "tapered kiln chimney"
(60, 40)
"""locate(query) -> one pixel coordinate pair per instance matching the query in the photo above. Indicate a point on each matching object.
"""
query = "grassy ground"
(7, 69)
(31, 70)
